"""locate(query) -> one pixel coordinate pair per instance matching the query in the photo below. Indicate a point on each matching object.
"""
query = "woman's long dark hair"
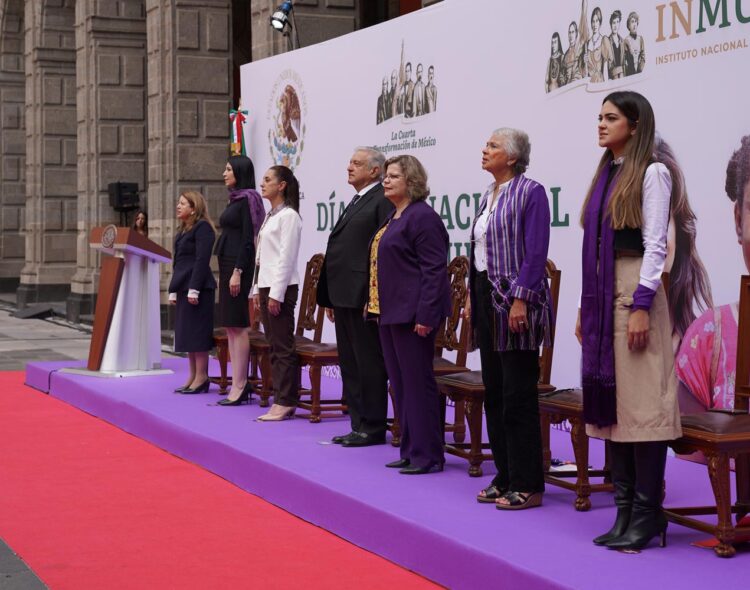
(689, 287)
(244, 172)
(291, 192)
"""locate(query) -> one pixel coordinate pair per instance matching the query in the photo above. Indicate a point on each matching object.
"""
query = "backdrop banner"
(437, 82)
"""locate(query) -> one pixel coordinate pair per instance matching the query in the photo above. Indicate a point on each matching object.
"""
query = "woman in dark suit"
(235, 249)
(192, 288)
(411, 296)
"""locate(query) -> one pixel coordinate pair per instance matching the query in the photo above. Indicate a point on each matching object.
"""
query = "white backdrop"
(490, 59)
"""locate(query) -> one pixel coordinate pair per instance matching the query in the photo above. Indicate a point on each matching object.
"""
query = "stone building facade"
(100, 91)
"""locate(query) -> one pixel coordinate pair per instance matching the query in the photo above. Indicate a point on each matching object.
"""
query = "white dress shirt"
(277, 252)
(657, 190)
(480, 227)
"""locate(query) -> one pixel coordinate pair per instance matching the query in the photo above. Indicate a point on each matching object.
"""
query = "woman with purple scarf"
(629, 385)
(511, 316)
(235, 249)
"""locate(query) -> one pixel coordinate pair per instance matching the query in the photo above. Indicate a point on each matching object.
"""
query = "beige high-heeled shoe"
(277, 413)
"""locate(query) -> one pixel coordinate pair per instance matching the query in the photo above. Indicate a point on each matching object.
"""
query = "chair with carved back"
(453, 335)
(316, 355)
(222, 353)
(309, 319)
(722, 435)
(467, 391)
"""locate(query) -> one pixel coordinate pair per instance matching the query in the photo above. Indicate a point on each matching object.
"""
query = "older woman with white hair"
(511, 315)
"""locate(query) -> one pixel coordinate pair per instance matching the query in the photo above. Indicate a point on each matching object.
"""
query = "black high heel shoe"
(181, 389)
(202, 388)
(243, 399)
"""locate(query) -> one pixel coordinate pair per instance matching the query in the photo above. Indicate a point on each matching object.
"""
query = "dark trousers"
(511, 402)
(362, 371)
(408, 360)
(280, 335)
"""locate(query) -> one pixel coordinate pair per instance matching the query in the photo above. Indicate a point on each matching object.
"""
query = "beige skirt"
(647, 408)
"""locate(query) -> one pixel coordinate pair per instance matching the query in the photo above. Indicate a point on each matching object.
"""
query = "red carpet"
(89, 506)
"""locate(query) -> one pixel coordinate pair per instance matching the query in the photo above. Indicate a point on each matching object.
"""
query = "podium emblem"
(108, 236)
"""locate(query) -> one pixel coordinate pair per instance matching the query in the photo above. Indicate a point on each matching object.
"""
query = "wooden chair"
(309, 318)
(222, 353)
(721, 436)
(466, 390)
(316, 355)
(453, 335)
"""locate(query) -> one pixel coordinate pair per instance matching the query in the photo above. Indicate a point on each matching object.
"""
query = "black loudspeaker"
(123, 196)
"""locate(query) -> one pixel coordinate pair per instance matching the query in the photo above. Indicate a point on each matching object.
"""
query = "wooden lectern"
(126, 340)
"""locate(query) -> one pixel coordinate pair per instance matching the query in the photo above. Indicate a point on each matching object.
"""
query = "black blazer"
(344, 277)
(236, 239)
(192, 257)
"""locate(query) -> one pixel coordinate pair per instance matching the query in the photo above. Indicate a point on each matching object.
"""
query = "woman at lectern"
(140, 222)
(235, 249)
(624, 326)
(192, 288)
(511, 315)
(276, 286)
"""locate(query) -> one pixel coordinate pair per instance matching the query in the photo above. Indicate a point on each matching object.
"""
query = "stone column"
(12, 144)
(189, 59)
(111, 108)
(50, 224)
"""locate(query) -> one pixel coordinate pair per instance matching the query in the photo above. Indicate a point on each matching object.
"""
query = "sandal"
(491, 493)
(520, 501)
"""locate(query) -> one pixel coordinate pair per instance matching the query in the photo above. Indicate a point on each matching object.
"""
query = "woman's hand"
(638, 324)
(192, 300)
(274, 307)
(422, 330)
(579, 333)
(330, 315)
(234, 283)
(256, 302)
(517, 316)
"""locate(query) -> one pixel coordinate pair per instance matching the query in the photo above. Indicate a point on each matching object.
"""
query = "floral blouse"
(707, 359)
(373, 303)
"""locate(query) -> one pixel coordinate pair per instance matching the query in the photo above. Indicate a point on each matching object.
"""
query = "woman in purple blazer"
(409, 292)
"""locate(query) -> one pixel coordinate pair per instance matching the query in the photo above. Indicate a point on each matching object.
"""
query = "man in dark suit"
(343, 290)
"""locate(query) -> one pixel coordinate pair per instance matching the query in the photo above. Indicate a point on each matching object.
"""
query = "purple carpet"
(429, 524)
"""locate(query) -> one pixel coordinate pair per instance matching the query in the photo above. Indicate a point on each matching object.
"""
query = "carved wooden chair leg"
(581, 450)
(474, 415)
(718, 472)
(222, 355)
(459, 423)
(315, 371)
(544, 422)
(396, 424)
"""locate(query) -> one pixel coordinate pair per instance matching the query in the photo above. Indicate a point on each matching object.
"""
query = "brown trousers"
(280, 335)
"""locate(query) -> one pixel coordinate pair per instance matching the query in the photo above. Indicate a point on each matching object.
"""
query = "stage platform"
(429, 524)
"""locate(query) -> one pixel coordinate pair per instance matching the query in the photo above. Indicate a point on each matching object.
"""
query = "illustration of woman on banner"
(613, 48)
(707, 361)
(573, 60)
(635, 50)
(555, 71)
(593, 57)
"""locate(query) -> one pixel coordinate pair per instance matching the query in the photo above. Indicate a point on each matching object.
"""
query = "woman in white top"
(276, 287)
(629, 385)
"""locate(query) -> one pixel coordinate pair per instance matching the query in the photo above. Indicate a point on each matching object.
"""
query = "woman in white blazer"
(276, 287)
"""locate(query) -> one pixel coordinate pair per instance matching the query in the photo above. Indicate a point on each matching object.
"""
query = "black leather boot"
(622, 470)
(647, 519)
